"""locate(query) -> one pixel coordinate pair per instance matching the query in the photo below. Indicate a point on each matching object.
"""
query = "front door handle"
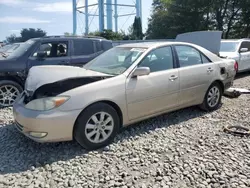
(173, 78)
(210, 70)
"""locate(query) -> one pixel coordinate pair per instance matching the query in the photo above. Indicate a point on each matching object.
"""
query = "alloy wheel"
(8, 95)
(213, 96)
(99, 127)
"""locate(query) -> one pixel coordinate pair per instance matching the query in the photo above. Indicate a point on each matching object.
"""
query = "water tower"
(106, 11)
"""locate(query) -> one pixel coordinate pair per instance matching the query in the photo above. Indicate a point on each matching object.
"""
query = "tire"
(87, 128)
(9, 91)
(215, 103)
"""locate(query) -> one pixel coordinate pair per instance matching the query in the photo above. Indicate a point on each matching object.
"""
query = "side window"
(53, 49)
(205, 59)
(188, 56)
(158, 60)
(83, 47)
(106, 45)
(97, 46)
(245, 45)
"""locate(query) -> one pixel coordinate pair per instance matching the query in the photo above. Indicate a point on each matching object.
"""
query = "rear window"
(83, 47)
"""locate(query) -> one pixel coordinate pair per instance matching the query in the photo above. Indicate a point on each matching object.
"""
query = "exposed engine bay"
(58, 87)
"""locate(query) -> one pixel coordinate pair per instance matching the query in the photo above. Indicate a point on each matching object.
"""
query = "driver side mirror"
(41, 54)
(141, 71)
(243, 50)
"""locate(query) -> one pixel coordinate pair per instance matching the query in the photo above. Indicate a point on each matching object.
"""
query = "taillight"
(236, 66)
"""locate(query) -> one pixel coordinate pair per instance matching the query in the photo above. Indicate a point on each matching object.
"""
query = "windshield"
(20, 49)
(5, 48)
(228, 46)
(10, 48)
(115, 61)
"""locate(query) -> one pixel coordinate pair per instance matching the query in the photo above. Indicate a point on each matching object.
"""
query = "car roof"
(140, 45)
(56, 38)
(152, 44)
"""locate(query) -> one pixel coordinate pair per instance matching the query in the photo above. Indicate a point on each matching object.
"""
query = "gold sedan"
(124, 85)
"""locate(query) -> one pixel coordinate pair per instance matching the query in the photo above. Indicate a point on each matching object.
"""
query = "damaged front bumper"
(44, 126)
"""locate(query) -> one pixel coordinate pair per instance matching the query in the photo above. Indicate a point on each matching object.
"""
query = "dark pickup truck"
(53, 50)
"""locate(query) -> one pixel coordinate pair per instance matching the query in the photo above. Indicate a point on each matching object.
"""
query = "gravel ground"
(181, 149)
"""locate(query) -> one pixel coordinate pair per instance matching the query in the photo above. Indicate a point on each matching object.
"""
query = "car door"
(84, 50)
(156, 92)
(245, 56)
(57, 53)
(196, 73)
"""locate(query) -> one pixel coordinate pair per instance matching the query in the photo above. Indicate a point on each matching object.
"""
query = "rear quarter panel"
(226, 76)
(225, 71)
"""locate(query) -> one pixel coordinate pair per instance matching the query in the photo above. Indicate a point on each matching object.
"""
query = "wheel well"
(117, 109)
(221, 84)
(114, 105)
(12, 78)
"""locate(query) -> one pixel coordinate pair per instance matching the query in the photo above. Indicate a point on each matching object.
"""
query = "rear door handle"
(210, 69)
(173, 78)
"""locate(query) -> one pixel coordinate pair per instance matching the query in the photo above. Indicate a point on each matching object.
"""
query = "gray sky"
(55, 16)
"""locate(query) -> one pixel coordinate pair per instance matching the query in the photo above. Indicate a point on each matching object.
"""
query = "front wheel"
(212, 98)
(9, 91)
(96, 126)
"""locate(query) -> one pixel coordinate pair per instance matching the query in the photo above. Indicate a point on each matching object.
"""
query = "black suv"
(53, 50)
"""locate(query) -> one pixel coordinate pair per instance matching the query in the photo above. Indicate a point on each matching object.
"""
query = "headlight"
(46, 103)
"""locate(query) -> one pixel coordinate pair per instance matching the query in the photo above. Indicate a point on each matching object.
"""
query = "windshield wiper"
(3, 54)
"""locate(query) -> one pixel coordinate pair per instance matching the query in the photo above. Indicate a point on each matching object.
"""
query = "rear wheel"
(212, 98)
(9, 91)
(96, 126)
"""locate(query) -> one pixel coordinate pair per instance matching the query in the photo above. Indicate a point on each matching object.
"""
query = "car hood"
(209, 40)
(41, 75)
(5, 61)
(2, 59)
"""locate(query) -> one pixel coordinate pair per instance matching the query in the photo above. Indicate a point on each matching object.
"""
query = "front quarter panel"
(110, 89)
